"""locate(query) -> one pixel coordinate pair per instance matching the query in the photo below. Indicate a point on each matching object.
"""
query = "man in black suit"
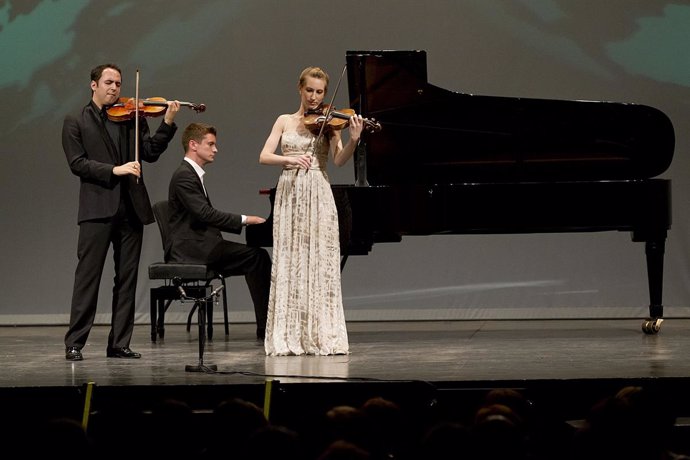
(195, 225)
(114, 206)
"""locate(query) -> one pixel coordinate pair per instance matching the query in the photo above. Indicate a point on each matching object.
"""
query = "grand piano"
(452, 163)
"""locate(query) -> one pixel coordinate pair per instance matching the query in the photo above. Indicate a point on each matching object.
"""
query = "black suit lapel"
(107, 140)
(203, 191)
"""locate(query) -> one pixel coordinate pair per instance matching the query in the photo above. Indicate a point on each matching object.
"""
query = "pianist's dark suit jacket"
(195, 225)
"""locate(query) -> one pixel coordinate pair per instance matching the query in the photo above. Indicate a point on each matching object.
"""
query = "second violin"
(125, 109)
(335, 120)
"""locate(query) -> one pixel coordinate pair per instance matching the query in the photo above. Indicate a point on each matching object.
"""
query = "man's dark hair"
(97, 71)
(196, 131)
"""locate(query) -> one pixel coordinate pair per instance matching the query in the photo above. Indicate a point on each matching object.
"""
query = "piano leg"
(654, 251)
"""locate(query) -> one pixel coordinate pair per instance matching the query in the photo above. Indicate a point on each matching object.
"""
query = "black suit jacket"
(195, 225)
(91, 155)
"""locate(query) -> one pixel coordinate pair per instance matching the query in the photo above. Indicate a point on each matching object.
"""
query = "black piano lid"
(451, 163)
(433, 135)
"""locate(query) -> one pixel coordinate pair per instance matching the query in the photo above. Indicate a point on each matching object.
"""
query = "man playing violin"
(113, 207)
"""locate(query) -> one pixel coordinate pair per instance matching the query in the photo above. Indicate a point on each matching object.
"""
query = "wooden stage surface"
(583, 359)
(435, 370)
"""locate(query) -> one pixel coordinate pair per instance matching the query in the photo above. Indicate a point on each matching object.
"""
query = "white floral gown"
(305, 308)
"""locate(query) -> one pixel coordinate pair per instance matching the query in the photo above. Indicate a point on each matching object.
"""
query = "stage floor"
(430, 360)
(430, 351)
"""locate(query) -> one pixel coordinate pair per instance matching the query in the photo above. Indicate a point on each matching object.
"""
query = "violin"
(124, 109)
(337, 120)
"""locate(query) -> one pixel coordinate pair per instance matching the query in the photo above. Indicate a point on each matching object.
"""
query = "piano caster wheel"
(652, 326)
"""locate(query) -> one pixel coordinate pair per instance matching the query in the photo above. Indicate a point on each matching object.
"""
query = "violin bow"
(136, 121)
(315, 142)
(330, 106)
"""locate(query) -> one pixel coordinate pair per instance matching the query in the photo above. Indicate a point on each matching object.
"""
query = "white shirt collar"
(199, 172)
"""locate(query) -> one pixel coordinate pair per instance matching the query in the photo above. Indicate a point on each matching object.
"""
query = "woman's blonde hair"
(314, 72)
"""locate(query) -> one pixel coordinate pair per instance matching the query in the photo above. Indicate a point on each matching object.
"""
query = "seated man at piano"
(195, 225)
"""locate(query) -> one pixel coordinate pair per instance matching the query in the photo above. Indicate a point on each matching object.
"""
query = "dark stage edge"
(433, 369)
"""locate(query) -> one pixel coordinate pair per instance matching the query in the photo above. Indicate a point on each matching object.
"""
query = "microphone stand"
(200, 303)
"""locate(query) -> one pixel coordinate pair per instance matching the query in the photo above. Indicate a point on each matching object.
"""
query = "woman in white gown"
(305, 309)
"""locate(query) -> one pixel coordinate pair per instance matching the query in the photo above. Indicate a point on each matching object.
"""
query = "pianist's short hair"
(314, 72)
(196, 131)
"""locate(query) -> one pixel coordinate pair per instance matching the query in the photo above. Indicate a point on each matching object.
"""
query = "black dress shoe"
(73, 354)
(123, 352)
(260, 333)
